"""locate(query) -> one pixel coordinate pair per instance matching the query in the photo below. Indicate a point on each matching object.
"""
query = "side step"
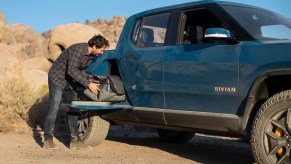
(93, 105)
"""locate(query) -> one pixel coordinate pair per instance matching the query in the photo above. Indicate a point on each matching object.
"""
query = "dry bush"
(17, 98)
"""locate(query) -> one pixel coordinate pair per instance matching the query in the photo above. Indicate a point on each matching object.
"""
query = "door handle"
(133, 87)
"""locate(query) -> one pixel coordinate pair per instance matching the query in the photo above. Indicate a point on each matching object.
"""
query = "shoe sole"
(52, 148)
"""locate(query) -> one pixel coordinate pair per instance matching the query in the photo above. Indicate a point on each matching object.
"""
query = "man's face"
(98, 51)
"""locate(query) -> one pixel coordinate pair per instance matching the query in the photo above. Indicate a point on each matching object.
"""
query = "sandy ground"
(125, 146)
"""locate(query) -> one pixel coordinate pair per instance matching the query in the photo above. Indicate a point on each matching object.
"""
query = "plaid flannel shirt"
(70, 65)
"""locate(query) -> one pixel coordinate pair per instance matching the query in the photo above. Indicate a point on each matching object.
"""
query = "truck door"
(142, 65)
(200, 75)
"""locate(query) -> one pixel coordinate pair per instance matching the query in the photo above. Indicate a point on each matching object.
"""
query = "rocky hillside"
(26, 57)
(110, 28)
(27, 54)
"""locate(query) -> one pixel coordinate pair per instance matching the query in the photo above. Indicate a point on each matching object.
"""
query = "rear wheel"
(175, 136)
(93, 129)
(271, 133)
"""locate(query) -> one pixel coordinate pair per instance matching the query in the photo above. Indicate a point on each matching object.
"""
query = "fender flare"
(251, 98)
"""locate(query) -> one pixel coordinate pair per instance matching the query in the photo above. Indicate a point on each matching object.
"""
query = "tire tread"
(284, 95)
(98, 131)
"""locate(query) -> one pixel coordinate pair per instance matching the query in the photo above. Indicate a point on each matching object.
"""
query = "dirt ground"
(125, 146)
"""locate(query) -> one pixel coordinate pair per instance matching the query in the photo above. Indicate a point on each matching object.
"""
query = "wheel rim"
(83, 124)
(277, 138)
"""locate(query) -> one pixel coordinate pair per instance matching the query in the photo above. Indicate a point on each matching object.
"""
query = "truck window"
(261, 24)
(194, 23)
(135, 30)
(153, 31)
(275, 32)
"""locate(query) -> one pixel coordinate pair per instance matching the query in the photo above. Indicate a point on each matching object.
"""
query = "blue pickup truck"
(203, 67)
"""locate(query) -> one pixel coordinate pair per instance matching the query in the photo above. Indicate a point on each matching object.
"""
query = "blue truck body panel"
(203, 67)
(209, 77)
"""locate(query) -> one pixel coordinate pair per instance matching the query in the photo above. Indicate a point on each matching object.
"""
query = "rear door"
(142, 66)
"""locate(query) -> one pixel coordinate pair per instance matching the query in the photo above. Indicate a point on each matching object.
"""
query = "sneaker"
(49, 144)
(77, 145)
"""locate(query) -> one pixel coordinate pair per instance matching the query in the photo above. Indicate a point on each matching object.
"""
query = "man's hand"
(94, 88)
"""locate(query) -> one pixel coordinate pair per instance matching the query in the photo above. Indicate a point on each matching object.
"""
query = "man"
(65, 73)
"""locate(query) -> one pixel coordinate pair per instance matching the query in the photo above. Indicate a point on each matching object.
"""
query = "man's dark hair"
(99, 41)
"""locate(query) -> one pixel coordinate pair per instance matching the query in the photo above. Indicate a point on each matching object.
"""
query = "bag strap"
(116, 84)
(97, 79)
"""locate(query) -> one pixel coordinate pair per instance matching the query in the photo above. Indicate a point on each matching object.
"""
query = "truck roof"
(184, 5)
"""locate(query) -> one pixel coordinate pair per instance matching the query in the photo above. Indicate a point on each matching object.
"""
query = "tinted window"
(153, 30)
(196, 25)
(276, 32)
(261, 24)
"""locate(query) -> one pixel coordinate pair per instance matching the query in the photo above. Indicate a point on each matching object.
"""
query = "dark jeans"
(56, 94)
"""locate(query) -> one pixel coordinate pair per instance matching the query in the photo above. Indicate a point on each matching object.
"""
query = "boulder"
(37, 63)
(64, 36)
(36, 44)
(6, 35)
(19, 50)
(35, 71)
(118, 21)
(9, 63)
(47, 34)
(36, 78)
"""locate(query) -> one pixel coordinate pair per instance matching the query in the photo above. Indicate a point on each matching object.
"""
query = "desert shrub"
(16, 99)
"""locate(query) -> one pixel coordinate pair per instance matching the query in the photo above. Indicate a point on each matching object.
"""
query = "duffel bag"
(111, 89)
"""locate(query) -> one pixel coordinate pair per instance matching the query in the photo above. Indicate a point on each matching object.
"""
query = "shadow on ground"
(36, 117)
(201, 149)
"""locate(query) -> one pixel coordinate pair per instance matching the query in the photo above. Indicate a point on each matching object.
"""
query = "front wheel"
(271, 132)
(175, 136)
(93, 129)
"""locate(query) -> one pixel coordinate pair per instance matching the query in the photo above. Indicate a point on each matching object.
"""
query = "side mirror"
(218, 35)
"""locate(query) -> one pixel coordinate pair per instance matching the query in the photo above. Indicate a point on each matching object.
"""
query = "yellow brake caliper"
(281, 150)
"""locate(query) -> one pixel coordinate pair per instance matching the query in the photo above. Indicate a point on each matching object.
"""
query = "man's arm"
(73, 68)
(80, 75)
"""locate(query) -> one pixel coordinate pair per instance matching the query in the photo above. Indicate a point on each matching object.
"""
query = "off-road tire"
(175, 136)
(92, 128)
(271, 139)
